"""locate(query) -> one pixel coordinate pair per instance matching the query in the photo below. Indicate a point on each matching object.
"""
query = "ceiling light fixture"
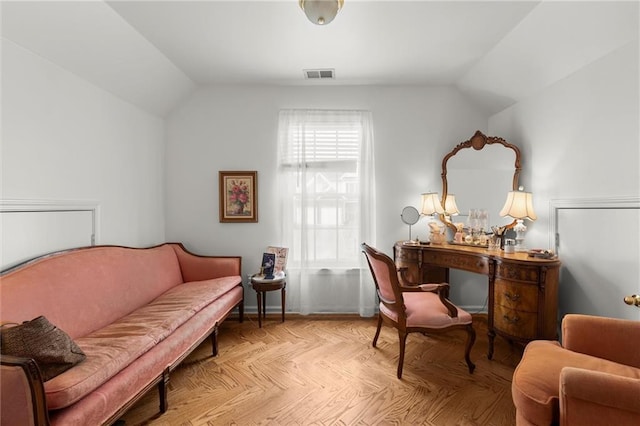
(321, 12)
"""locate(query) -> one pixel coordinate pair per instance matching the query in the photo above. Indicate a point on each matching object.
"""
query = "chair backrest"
(385, 276)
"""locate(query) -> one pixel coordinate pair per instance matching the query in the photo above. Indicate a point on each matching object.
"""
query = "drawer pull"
(512, 297)
(514, 320)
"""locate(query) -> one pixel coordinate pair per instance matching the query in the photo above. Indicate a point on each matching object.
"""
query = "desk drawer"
(523, 297)
(471, 263)
(517, 271)
(519, 324)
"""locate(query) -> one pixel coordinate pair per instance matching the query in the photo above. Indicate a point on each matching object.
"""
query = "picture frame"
(281, 258)
(268, 265)
(238, 192)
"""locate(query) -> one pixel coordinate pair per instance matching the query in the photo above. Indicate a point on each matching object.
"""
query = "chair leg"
(471, 338)
(402, 340)
(375, 338)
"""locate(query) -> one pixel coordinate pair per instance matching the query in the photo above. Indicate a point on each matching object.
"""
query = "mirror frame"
(403, 217)
(404, 213)
(477, 142)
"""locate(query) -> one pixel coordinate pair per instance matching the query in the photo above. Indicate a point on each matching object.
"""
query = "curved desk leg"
(492, 335)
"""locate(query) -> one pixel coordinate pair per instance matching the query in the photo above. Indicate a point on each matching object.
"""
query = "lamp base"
(520, 229)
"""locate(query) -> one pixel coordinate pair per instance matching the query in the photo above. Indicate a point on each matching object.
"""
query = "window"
(325, 164)
(325, 197)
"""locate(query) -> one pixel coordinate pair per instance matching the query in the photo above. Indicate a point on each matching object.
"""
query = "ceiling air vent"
(322, 74)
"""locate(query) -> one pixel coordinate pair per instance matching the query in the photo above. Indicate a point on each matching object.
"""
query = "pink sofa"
(136, 314)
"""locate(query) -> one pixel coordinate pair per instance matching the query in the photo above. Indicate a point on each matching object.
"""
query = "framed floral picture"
(238, 196)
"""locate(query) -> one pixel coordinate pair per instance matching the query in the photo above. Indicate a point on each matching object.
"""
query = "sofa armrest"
(22, 400)
(608, 338)
(198, 268)
(597, 398)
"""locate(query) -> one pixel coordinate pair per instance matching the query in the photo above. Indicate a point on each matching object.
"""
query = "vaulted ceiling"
(153, 53)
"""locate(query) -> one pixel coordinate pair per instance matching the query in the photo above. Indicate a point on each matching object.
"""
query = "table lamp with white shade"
(519, 205)
(431, 205)
(450, 206)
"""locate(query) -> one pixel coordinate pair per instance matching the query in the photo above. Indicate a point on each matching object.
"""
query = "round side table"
(261, 286)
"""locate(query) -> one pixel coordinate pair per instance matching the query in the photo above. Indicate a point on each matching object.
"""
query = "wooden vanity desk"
(523, 291)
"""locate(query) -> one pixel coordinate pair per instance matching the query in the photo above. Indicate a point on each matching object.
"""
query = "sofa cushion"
(187, 298)
(109, 398)
(117, 345)
(536, 379)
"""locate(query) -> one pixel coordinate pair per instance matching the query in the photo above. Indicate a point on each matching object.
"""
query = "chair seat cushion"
(536, 379)
(424, 309)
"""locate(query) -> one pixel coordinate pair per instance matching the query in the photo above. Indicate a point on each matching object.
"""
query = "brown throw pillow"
(51, 348)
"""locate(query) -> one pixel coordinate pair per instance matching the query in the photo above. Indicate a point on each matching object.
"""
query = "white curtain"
(327, 200)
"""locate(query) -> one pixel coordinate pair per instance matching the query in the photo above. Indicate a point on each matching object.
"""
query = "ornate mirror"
(480, 172)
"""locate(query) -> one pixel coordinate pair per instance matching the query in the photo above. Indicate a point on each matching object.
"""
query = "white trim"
(27, 206)
(585, 203)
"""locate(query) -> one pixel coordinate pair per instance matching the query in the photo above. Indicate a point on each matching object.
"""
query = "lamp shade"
(450, 206)
(431, 204)
(519, 205)
(321, 12)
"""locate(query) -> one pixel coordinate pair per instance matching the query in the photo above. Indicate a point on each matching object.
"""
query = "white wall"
(580, 140)
(65, 139)
(235, 128)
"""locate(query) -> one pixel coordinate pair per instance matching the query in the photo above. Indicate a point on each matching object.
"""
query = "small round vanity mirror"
(410, 216)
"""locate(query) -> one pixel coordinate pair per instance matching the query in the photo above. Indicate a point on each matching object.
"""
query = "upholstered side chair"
(410, 308)
(592, 378)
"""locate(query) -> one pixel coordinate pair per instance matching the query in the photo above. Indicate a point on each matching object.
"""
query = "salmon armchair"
(414, 308)
(593, 378)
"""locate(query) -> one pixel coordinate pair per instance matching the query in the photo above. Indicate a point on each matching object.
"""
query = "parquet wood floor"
(317, 370)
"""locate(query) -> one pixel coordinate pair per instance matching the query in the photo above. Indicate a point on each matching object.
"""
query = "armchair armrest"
(442, 290)
(608, 338)
(443, 293)
(197, 268)
(406, 285)
(22, 398)
(598, 398)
